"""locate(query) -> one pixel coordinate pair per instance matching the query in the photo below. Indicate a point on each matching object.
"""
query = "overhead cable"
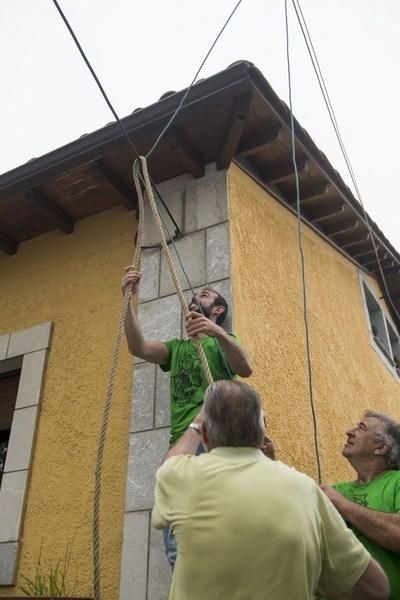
(185, 95)
(302, 259)
(321, 82)
(112, 109)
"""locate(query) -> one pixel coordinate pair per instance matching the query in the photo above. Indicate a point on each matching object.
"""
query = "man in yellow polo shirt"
(250, 528)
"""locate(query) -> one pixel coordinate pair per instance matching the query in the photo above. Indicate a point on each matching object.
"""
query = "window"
(386, 339)
(23, 356)
(8, 394)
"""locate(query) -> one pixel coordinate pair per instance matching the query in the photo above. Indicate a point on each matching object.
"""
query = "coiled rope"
(141, 162)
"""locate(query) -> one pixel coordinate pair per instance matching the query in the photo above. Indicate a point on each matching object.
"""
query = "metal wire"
(302, 259)
(321, 82)
(112, 109)
(185, 95)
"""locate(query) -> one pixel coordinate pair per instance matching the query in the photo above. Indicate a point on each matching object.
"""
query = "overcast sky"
(142, 49)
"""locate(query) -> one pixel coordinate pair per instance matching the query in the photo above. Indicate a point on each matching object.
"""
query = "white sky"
(142, 49)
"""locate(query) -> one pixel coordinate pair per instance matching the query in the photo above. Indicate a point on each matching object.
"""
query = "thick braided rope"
(185, 308)
(106, 413)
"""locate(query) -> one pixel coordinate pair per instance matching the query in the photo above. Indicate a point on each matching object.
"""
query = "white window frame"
(26, 349)
(387, 335)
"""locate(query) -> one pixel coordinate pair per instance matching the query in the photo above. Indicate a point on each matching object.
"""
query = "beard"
(203, 310)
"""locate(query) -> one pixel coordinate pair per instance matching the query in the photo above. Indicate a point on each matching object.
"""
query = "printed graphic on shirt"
(188, 379)
(361, 499)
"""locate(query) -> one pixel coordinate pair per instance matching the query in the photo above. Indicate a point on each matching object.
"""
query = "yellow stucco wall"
(74, 281)
(348, 375)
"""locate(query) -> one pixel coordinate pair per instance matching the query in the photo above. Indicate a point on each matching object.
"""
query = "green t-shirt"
(382, 494)
(188, 383)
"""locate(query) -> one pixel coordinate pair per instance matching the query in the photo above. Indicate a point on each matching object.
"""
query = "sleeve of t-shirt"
(168, 477)
(170, 345)
(344, 558)
(396, 493)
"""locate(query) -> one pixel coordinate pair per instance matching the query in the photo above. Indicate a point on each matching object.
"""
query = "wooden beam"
(362, 253)
(108, 176)
(50, 210)
(388, 270)
(310, 195)
(7, 244)
(323, 212)
(355, 241)
(258, 142)
(187, 154)
(283, 171)
(374, 261)
(343, 227)
(234, 130)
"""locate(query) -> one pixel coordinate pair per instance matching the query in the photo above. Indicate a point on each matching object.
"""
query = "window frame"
(382, 342)
(26, 349)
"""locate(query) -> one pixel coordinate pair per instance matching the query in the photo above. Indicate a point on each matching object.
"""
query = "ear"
(218, 310)
(381, 449)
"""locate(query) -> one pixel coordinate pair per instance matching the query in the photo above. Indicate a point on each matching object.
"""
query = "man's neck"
(367, 471)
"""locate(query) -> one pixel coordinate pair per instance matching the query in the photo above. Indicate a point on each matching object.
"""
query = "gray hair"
(390, 435)
(233, 415)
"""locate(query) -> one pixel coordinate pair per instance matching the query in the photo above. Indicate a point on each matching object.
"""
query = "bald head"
(233, 415)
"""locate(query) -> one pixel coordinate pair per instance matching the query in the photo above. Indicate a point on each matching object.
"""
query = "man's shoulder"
(177, 466)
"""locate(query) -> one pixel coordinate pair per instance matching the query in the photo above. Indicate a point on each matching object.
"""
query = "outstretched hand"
(131, 279)
(198, 324)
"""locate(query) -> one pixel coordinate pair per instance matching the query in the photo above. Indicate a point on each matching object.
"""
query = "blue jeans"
(169, 537)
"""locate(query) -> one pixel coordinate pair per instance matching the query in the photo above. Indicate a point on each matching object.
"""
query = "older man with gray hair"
(248, 527)
(371, 503)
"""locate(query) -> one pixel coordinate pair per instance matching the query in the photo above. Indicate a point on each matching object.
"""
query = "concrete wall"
(348, 374)
(74, 282)
(200, 208)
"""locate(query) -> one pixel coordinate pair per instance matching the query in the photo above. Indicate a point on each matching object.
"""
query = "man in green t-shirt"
(371, 504)
(188, 384)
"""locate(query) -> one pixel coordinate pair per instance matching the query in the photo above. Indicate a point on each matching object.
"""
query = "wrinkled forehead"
(372, 423)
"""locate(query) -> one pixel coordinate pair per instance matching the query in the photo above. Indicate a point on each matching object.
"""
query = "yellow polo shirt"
(249, 528)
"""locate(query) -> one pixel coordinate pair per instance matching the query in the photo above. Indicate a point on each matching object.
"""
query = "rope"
(171, 266)
(106, 413)
(117, 350)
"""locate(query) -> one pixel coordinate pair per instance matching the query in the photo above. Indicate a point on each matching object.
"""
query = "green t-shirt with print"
(381, 494)
(188, 383)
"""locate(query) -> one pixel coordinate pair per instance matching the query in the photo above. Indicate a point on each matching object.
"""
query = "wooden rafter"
(188, 155)
(234, 130)
(283, 171)
(355, 240)
(325, 212)
(342, 227)
(110, 178)
(51, 210)
(7, 244)
(258, 142)
(313, 194)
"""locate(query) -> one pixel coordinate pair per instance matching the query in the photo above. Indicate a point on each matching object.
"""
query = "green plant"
(52, 582)
(396, 361)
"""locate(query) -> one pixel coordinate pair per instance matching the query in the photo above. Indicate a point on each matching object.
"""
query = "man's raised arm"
(152, 351)
(236, 356)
